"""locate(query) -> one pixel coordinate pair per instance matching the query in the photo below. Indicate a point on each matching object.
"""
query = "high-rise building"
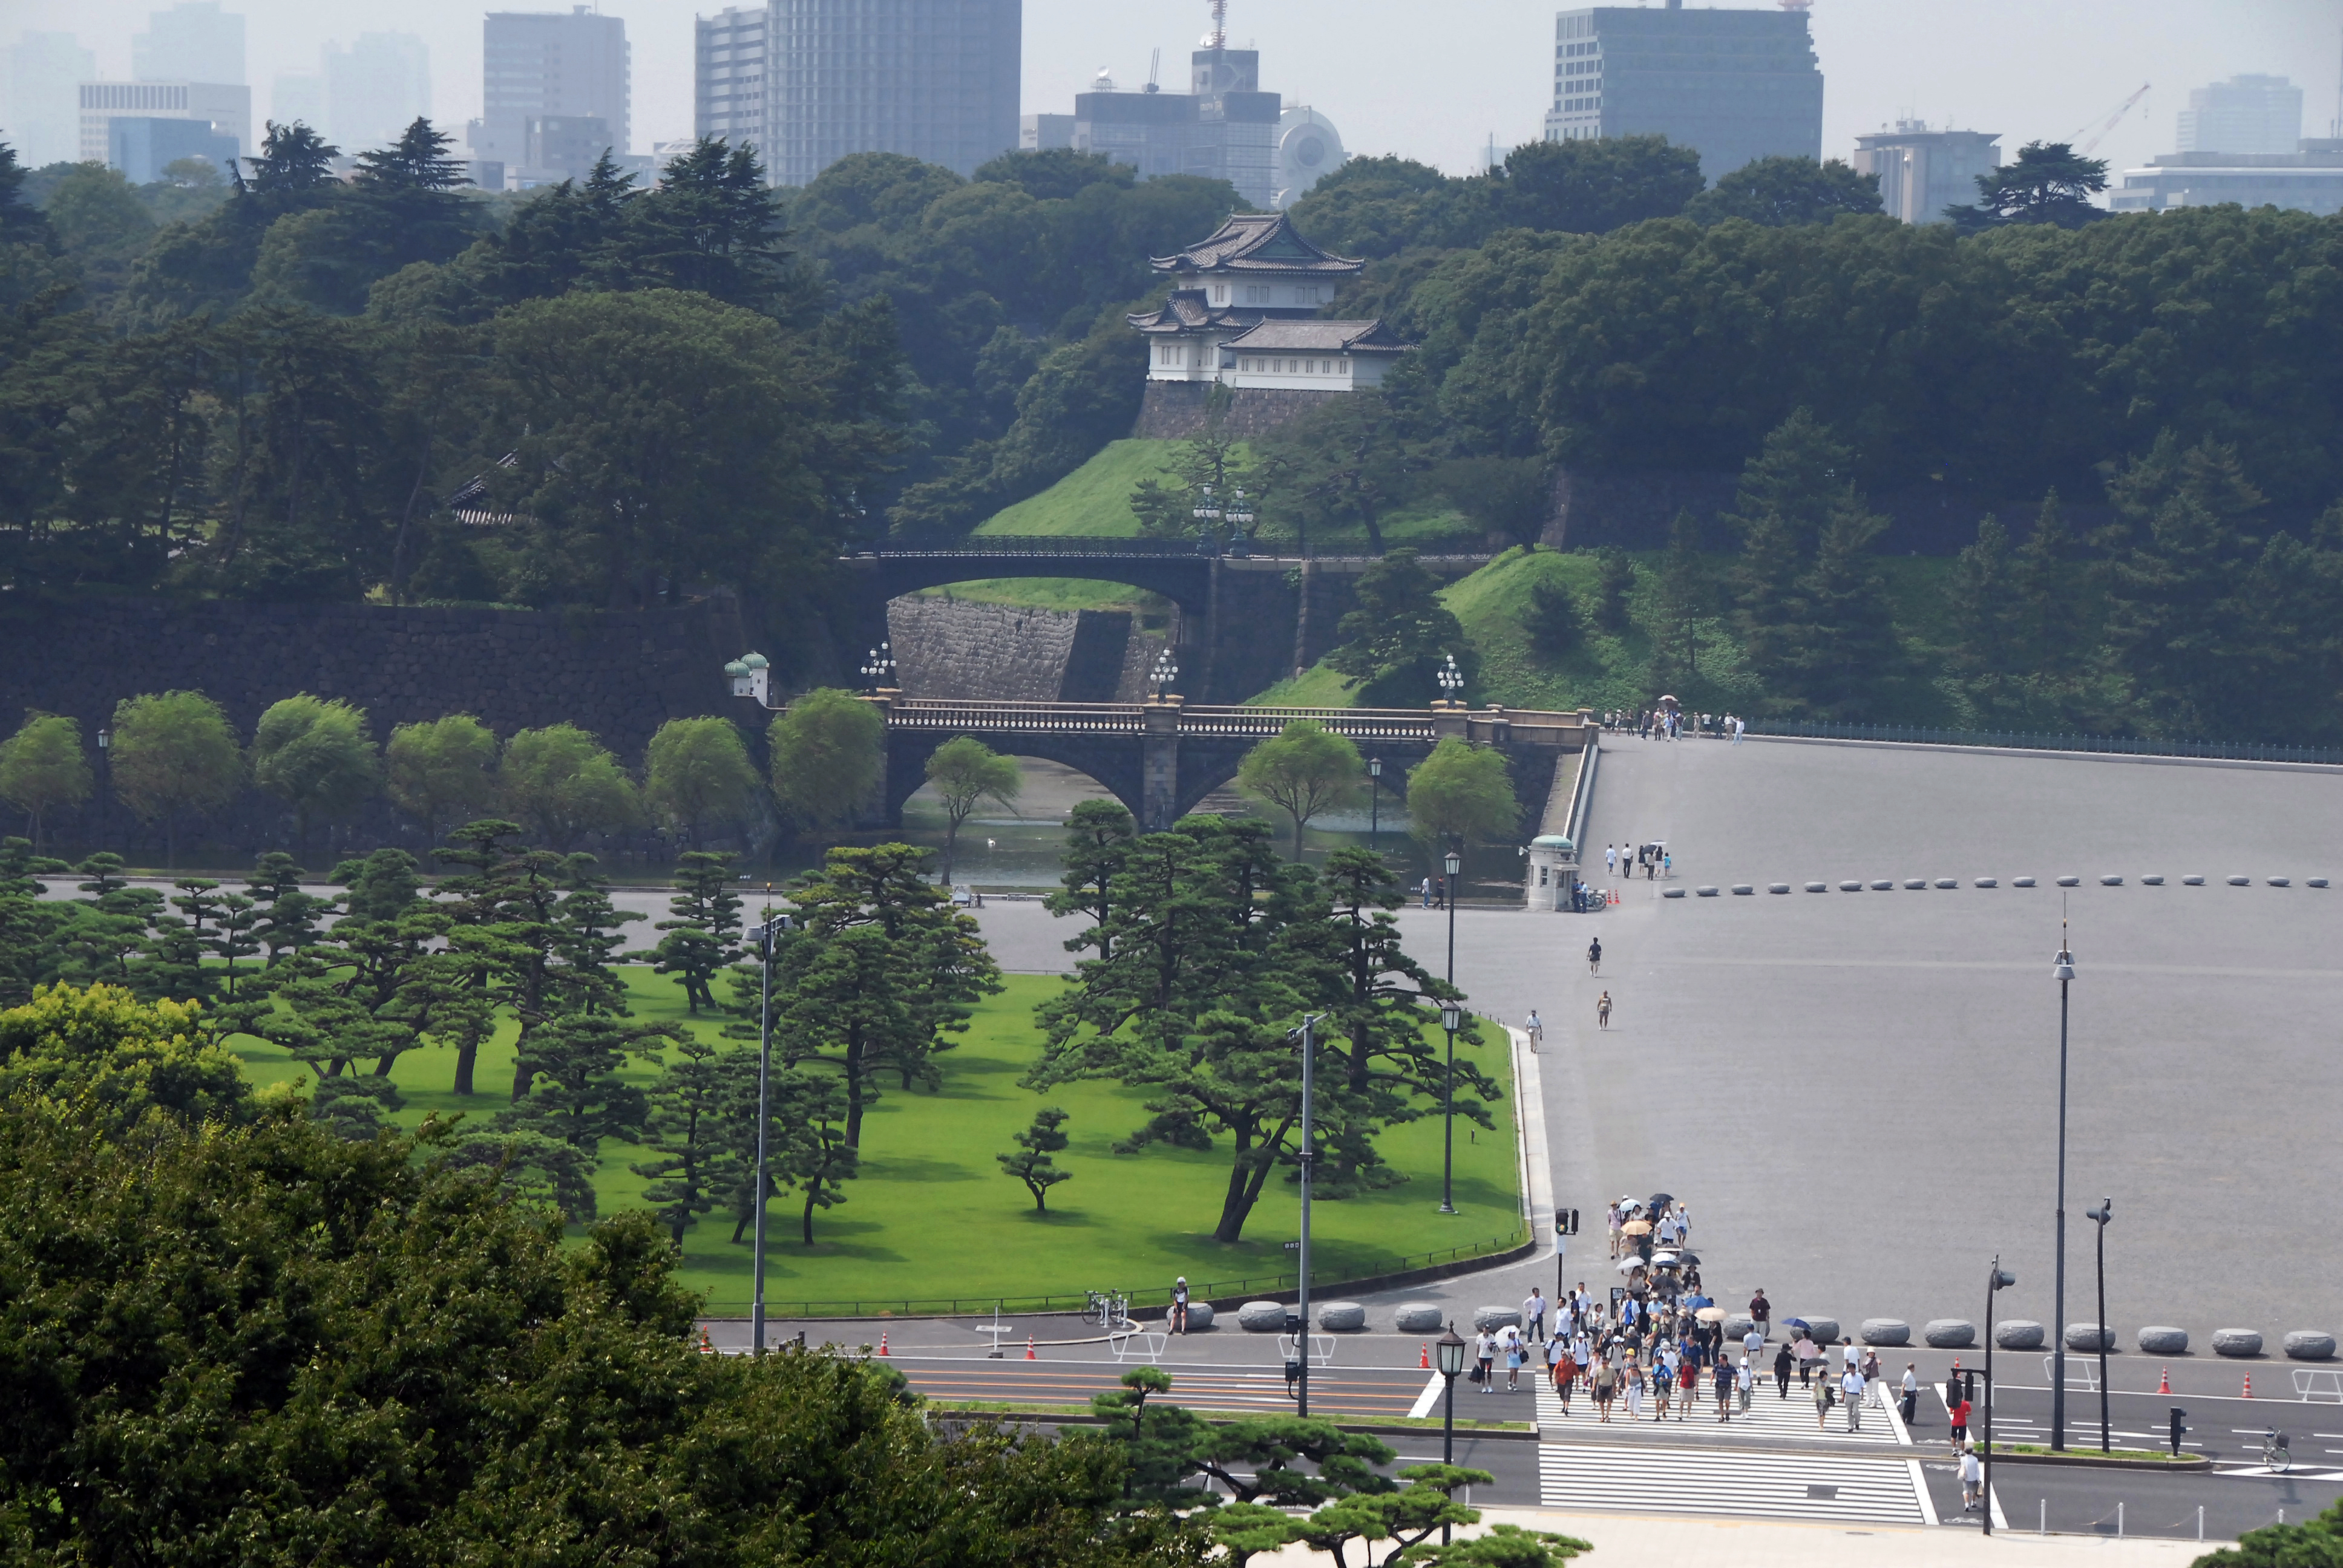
(732, 88)
(1736, 85)
(375, 89)
(2243, 114)
(226, 108)
(932, 79)
(2307, 179)
(298, 96)
(40, 99)
(1923, 172)
(194, 41)
(568, 65)
(142, 148)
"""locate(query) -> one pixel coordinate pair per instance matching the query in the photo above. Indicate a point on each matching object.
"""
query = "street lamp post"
(1208, 516)
(1450, 1015)
(1240, 517)
(764, 935)
(1374, 799)
(1448, 1353)
(879, 666)
(2063, 971)
(1309, 1033)
(2100, 1216)
(1451, 681)
(104, 779)
(1166, 671)
(1998, 1281)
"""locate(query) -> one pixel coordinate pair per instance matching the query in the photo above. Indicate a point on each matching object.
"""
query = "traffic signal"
(1565, 1222)
(2176, 1429)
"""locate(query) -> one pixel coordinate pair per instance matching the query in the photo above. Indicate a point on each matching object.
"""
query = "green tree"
(1098, 835)
(440, 770)
(1344, 464)
(577, 1097)
(2049, 182)
(1209, 468)
(1614, 580)
(828, 754)
(696, 770)
(1305, 771)
(1394, 643)
(703, 930)
(1682, 602)
(1031, 1163)
(21, 222)
(1840, 650)
(565, 785)
(1788, 496)
(1551, 619)
(1781, 191)
(1460, 794)
(815, 1155)
(1511, 498)
(1593, 187)
(316, 757)
(41, 767)
(2316, 1543)
(114, 1059)
(686, 1131)
(174, 755)
(965, 772)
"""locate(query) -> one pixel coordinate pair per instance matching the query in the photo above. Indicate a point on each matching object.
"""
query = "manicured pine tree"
(1031, 1162)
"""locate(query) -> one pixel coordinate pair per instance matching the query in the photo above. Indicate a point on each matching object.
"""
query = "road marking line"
(1428, 1398)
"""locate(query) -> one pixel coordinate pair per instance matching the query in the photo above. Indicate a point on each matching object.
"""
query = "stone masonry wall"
(947, 647)
(1174, 410)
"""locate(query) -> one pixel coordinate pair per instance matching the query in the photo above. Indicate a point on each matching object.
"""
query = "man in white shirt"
(1851, 1385)
(1911, 1390)
(1611, 858)
(1754, 1342)
(1534, 1315)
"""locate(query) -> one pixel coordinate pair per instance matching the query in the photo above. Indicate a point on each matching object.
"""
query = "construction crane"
(2121, 110)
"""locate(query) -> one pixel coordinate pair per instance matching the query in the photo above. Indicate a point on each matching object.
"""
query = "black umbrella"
(1659, 1200)
(1687, 1259)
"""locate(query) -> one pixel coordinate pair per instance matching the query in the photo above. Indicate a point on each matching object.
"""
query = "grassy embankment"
(932, 1215)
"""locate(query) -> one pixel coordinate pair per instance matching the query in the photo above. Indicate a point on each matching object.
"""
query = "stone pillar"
(1158, 763)
(1451, 718)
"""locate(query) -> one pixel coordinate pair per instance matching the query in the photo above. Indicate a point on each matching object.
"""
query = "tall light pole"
(1448, 1353)
(1374, 796)
(764, 934)
(2100, 1216)
(1998, 1281)
(1309, 1033)
(2063, 971)
(1450, 1015)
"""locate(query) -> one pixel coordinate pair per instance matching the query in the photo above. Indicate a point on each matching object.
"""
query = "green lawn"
(932, 1215)
(1059, 593)
(1094, 500)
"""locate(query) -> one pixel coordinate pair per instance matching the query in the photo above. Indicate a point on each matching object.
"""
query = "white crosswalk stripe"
(1855, 1488)
(1768, 1415)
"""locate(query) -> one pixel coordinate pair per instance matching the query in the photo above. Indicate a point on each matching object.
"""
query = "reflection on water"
(1020, 848)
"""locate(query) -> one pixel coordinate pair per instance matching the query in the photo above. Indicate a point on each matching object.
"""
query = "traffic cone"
(707, 1348)
(2249, 1385)
(1423, 1360)
(1029, 1349)
(2163, 1381)
(882, 1342)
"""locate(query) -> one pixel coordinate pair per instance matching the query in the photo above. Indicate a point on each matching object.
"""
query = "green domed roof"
(1550, 842)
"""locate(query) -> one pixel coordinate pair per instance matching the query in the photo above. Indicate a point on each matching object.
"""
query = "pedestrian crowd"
(1653, 859)
(1667, 721)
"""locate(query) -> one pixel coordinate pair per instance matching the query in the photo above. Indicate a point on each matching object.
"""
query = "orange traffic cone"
(2163, 1381)
(1029, 1349)
(2249, 1385)
(882, 1342)
(1423, 1360)
(707, 1347)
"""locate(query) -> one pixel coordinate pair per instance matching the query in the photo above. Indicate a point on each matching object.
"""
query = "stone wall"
(1174, 410)
(949, 648)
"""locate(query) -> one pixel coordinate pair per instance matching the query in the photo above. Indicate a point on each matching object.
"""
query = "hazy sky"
(1435, 81)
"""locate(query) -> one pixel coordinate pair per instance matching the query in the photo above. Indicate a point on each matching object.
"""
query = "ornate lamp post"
(879, 668)
(1166, 671)
(1239, 515)
(1448, 1354)
(1207, 513)
(1451, 681)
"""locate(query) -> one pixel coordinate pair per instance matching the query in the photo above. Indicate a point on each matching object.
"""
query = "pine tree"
(1031, 1163)
(702, 938)
(1844, 650)
(696, 1158)
(1614, 580)
(1682, 600)
(815, 1154)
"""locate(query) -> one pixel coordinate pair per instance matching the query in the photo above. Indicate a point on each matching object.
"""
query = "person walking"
(1783, 1362)
(1753, 1344)
(1632, 1379)
(1744, 1383)
(1761, 1312)
(1972, 1480)
(1871, 1377)
(1687, 1385)
(1851, 1384)
(1909, 1405)
(1427, 892)
(1823, 1392)
(1610, 860)
(1724, 1386)
(1513, 1344)
(1809, 1353)
(1534, 1027)
(1180, 1305)
(1606, 1389)
(1594, 957)
(1664, 1387)
(1958, 1410)
(1484, 1357)
(1534, 1315)
(1603, 1020)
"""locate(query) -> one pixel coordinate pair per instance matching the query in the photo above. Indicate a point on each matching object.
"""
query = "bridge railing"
(1094, 718)
(1039, 545)
(1357, 723)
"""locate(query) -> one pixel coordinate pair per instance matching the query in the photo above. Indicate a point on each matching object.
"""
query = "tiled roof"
(1186, 311)
(1318, 338)
(1258, 242)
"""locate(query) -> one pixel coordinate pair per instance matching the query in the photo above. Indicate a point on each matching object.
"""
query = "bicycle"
(2276, 1456)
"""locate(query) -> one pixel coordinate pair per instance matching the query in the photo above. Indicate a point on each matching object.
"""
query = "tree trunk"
(466, 1054)
(952, 846)
(854, 1070)
(813, 1195)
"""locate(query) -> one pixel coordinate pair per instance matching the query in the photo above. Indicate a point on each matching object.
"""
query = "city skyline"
(1997, 65)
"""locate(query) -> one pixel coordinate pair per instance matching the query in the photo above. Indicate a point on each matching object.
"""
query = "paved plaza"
(1856, 1092)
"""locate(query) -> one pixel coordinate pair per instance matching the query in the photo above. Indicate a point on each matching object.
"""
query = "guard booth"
(1552, 868)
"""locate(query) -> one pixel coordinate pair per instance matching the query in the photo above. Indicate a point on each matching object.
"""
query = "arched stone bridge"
(1160, 758)
(1245, 621)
